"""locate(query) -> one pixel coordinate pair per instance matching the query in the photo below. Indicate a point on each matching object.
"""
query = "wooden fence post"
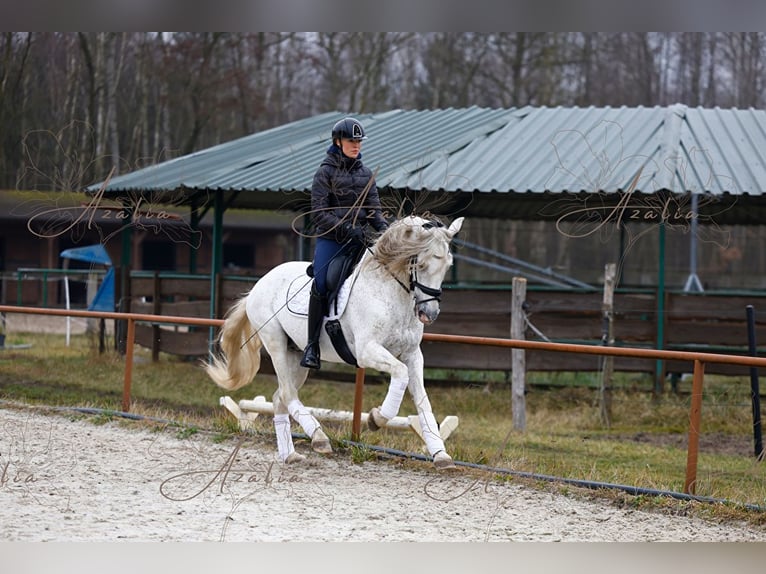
(607, 339)
(518, 359)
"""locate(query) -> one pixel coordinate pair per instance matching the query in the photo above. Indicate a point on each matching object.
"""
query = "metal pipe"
(356, 426)
(216, 265)
(128, 365)
(690, 356)
(593, 485)
(565, 280)
(504, 269)
(142, 317)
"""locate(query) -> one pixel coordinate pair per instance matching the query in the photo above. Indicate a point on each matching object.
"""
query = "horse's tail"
(241, 350)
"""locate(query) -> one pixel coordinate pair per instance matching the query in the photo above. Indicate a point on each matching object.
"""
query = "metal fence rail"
(698, 359)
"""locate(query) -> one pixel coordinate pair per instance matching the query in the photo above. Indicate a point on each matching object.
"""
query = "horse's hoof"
(294, 457)
(375, 420)
(320, 443)
(443, 461)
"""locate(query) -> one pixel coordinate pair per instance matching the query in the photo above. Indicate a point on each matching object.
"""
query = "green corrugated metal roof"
(490, 162)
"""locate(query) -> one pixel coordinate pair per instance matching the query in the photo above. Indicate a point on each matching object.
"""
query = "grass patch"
(645, 445)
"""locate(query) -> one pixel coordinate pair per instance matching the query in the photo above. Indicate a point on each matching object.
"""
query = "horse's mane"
(405, 239)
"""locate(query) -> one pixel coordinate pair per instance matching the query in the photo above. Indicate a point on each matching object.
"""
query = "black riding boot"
(316, 316)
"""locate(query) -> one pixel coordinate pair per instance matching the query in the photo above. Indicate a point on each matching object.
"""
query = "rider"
(344, 205)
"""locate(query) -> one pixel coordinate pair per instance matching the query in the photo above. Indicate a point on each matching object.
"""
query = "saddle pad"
(299, 291)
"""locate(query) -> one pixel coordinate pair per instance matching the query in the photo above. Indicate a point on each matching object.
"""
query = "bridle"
(433, 294)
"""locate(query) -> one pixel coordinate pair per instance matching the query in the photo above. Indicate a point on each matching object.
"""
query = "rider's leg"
(316, 317)
(325, 250)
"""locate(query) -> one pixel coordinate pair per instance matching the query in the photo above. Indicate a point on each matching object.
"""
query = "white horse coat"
(394, 292)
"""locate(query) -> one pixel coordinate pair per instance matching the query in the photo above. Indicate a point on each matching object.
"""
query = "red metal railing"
(697, 359)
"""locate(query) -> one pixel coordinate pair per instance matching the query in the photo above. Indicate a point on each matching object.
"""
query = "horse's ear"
(455, 227)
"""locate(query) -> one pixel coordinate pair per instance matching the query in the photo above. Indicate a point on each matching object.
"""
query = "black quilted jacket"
(335, 192)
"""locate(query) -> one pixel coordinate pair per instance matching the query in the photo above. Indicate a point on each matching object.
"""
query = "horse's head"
(417, 253)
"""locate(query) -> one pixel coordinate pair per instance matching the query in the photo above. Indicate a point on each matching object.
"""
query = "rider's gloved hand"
(351, 233)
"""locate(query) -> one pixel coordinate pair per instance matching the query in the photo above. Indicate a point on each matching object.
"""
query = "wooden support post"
(607, 339)
(518, 358)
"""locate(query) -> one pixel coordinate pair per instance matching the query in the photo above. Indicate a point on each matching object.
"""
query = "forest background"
(75, 105)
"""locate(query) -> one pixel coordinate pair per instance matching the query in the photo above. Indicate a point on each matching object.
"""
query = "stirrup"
(310, 359)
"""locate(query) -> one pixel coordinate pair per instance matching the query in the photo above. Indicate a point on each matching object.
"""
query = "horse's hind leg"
(291, 377)
(285, 446)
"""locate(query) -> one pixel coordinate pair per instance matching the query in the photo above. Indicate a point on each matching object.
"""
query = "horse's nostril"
(427, 318)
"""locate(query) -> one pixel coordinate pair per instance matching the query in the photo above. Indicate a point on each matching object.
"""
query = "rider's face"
(350, 148)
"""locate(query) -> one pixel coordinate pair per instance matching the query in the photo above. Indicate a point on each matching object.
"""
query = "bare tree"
(353, 68)
(525, 68)
(15, 57)
(711, 94)
(742, 53)
(64, 98)
(452, 62)
(690, 72)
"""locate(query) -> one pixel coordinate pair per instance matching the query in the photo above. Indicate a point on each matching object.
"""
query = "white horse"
(394, 292)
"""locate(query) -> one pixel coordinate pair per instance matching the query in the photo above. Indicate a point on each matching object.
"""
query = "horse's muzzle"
(427, 314)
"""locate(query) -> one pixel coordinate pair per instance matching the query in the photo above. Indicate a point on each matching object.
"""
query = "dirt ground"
(69, 477)
(65, 477)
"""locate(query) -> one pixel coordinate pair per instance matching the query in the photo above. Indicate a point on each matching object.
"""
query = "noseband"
(433, 294)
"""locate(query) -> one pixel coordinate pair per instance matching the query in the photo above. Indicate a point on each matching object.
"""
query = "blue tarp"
(104, 299)
(90, 253)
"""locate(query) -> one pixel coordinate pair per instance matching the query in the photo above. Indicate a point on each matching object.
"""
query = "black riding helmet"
(348, 128)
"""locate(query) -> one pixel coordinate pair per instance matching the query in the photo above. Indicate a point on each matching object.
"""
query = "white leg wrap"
(434, 442)
(284, 437)
(394, 397)
(303, 417)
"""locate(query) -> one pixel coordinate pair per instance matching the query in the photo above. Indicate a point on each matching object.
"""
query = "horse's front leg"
(376, 356)
(428, 426)
(404, 376)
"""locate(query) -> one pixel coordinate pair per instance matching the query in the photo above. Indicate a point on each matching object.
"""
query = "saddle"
(338, 270)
